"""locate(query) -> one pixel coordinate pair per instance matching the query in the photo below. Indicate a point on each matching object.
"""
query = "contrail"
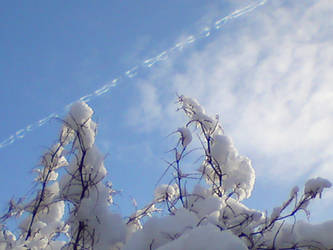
(132, 72)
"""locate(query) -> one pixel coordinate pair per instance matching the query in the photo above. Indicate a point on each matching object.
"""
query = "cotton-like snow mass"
(223, 164)
(206, 237)
(166, 192)
(186, 136)
(72, 208)
(316, 186)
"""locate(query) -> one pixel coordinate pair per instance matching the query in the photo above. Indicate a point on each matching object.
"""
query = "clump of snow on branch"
(316, 186)
(223, 165)
(186, 136)
(166, 192)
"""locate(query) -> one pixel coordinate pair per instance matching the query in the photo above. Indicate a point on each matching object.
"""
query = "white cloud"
(148, 113)
(269, 76)
(271, 81)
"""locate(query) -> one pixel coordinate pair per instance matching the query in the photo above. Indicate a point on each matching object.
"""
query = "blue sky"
(267, 73)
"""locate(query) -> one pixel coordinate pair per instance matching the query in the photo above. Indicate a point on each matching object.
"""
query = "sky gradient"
(267, 74)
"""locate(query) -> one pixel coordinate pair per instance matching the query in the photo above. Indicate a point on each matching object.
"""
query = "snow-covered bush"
(201, 210)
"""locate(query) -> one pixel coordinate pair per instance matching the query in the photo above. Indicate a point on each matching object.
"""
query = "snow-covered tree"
(201, 210)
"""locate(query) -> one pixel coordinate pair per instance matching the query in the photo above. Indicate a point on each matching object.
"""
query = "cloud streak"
(133, 72)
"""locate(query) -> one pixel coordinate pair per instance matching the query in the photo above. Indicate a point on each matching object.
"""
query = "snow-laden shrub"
(192, 211)
(216, 218)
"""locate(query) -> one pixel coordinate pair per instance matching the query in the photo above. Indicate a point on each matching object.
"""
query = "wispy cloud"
(149, 112)
(269, 76)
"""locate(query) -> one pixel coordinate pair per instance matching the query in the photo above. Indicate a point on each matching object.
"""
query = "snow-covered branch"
(192, 211)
